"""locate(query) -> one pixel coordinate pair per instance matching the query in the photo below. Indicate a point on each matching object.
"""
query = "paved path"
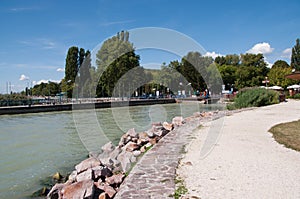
(246, 162)
(153, 176)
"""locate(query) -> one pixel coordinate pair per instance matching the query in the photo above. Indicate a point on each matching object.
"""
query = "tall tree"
(82, 55)
(295, 58)
(114, 59)
(252, 70)
(194, 69)
(71, 68)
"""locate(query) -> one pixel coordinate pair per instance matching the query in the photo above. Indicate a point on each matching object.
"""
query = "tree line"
(117, 72)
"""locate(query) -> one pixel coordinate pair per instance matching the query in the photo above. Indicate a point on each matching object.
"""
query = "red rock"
(86, 164)
(83, 189)
(131, 146)
(168, 126)
(178, 120)
(85, 175)
(143, 136)
(152, 141)
(124, 159)
(109, 191)
(55, 192)
(115, 179)
(143, 149)
(158, 133)
(108, 147)
(132, 133)
(102, 196)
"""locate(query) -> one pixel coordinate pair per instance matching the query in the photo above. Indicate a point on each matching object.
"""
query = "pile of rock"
(100, 175)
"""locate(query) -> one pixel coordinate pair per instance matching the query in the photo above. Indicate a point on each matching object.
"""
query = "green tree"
(252, 70)
(228, 60)
(295, 58)
(228, 74)
(114, 59)
(74, 61)
(194, 68)
(85, 78)
(278, 72)
(71, 68)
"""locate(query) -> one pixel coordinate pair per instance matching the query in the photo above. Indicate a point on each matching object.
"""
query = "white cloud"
(21, 9)
(287, 53)
(41, 43)
(116, 22)
(263, 48)
(23, 77)
(212, 54)
(60, 70)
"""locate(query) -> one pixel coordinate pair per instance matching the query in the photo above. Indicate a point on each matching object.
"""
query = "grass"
(287, 134)
(180, 189)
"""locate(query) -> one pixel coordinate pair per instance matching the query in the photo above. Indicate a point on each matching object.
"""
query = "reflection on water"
(34, 146)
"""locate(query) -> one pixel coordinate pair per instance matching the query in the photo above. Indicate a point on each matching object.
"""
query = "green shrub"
(255, 97)
(296, 96)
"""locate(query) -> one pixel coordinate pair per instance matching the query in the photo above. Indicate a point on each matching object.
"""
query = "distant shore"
(80, 106)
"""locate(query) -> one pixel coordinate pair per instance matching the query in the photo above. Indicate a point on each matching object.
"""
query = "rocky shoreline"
(101, 175)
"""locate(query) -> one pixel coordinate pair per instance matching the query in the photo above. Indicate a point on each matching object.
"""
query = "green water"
(34, 146)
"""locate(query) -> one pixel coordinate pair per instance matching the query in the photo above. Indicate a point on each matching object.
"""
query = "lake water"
(35, 146)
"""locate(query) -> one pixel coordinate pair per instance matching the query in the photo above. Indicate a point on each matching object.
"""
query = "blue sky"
(35, 35)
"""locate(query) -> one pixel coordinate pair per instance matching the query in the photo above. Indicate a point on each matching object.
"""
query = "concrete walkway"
(246, 161)
(153, 176)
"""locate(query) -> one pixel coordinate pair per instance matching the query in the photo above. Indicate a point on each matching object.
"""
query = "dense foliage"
(255, 97)
(115, 58)
(246, 70)
(75, 58)
(295, 58)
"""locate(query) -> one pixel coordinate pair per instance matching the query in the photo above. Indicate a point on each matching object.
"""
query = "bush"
(296, 96)
(255, 97)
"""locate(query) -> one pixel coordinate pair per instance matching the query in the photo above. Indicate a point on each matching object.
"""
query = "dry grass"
(287, 134)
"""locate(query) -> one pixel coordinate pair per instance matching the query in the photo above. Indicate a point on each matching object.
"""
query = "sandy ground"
(246, 162)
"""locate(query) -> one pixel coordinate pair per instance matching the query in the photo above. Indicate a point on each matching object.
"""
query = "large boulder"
(150, 134)
(131, 146)
(101, 172)
(55, 192)
(82, 189)
(107, 158)
(168, 126)
(177, 121)
(86, 164)
(125, 138)
(108, 147)
(72, 176)
(132, 133)
(124, 159)
(85, 175)
(110, 191)
(115, 180)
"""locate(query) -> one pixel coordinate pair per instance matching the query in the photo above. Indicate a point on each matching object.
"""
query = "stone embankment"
(102, 176)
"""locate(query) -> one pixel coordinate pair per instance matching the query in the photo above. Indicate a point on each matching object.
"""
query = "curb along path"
(153, 176)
